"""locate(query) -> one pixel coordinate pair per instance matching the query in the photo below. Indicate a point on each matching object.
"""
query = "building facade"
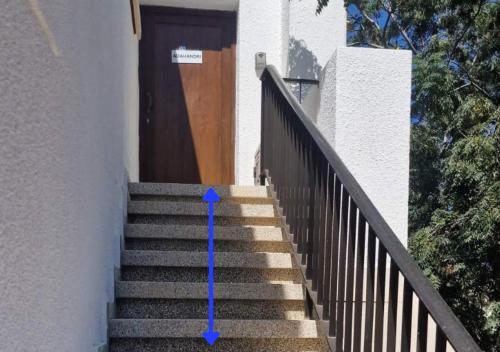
(75, 107)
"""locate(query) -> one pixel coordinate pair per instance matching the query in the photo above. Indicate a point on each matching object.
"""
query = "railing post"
(262, 176)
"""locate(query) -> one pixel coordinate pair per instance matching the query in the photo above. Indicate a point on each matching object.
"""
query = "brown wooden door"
(187, 109)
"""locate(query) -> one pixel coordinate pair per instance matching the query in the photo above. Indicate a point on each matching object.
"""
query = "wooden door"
(187, 109)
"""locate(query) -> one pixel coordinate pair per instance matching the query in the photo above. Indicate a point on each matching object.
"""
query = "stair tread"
(188, 290)
(200, 209)
(177, 189)
(198, 232)
(258, 260)
(193, 328)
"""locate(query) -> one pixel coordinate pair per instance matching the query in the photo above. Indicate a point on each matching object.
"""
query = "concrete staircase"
(161, 292)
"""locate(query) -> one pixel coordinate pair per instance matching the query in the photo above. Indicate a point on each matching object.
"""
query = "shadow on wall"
(302, 63)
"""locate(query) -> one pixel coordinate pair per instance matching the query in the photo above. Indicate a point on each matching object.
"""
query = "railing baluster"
(305, 198)
(328, 243)
(440, 340)
(423, 317)
(284, 158)
(335, 259)
(339, 336)
(316, 226)
(392, 311)
(322, 227)
(296, 182)
(380, 297)
(406, 320)
(291, 219)
(370, 274)
(289, 174)
(360, 263)
(310, 216)
(300, 197)
(350, 274)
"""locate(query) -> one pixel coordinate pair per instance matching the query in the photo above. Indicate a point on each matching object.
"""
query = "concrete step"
(195, 238)
(200, 259)
(202, 245)
(221, 345)
(189, 290)
(195, 232)
(222, 275)
(228, 329)
(159, 308)
(201, 220)
(201, 209)
(186, 190)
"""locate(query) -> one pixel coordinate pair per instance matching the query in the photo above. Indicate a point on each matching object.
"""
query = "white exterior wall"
(364, 111)
(314, 38)
(62, 173)
(261, 27)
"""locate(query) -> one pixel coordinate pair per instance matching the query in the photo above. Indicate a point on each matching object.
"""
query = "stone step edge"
(138, 207)
(193, 328)
(253, 260)
(198, 232)
(222, 291)
(189, 190)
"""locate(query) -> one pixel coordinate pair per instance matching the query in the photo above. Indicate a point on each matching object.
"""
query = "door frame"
(145, 72)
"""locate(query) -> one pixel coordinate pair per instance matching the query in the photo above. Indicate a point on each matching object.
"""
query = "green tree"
(455, 144)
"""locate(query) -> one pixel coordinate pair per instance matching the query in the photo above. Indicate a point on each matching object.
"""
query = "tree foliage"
(455, 144)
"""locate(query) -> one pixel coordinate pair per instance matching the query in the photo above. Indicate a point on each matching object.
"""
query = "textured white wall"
(314, 38)
(130, 90)
(364, 112)
(62, 169)
(261, 27)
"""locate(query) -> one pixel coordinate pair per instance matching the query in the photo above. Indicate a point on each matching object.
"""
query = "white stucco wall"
(364, 111)
(314, 38)
(62, 169)
(261, 27)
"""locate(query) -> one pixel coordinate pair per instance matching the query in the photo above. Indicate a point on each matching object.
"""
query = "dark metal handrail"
(301, 80)
(324, 206)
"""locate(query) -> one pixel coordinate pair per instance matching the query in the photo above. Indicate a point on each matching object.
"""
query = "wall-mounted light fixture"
(260, 63)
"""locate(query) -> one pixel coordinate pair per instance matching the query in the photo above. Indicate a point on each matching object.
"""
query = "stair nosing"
(199, 232)
(222, 291)
(176, 208)
(185, 190)
(253, 260)
(228, 328)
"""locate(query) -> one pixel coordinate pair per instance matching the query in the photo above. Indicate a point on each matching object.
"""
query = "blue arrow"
(211, 197)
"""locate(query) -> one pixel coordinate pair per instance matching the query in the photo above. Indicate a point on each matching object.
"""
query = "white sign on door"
(183, 56)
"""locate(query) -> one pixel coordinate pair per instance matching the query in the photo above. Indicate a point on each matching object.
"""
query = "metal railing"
(300, 86)
(341, 240)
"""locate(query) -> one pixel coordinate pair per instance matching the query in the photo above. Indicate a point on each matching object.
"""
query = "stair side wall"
(64, 83)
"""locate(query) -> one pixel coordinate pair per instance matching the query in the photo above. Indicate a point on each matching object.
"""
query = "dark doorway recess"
(187, 110)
